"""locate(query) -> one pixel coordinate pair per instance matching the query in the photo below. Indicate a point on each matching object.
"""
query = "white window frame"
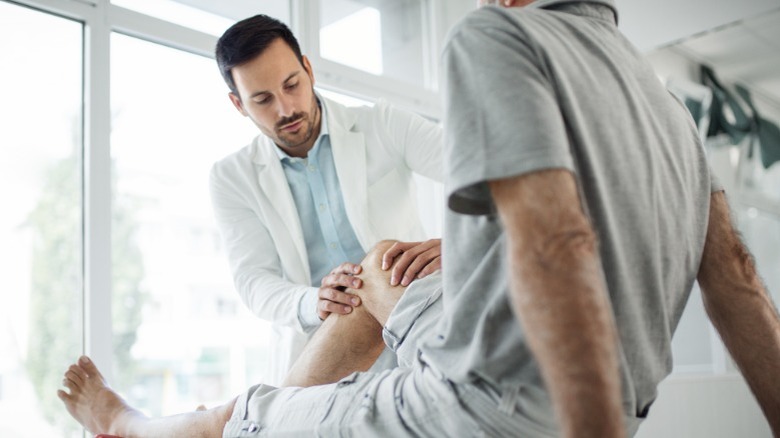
(351, 81)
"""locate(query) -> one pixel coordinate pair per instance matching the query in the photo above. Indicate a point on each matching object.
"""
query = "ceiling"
(653, 24)
(739, 39)
(746, 51)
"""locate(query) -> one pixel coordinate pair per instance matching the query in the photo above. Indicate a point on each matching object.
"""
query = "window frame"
(360, 84)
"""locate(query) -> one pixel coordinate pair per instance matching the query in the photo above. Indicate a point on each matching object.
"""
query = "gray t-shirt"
(556, 85)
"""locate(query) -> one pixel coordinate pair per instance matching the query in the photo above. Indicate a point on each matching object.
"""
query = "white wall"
(706, 407)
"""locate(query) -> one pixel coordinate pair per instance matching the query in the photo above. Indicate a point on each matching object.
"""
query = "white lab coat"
(375, 150)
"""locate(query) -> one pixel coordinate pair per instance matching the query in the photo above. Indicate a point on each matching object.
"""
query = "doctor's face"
(276, 93)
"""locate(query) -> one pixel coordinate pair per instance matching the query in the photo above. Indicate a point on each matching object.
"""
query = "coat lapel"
(273, 183)
(349, 156)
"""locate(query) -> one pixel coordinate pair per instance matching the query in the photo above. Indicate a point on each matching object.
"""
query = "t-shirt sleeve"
(501, 113)
(715, 184)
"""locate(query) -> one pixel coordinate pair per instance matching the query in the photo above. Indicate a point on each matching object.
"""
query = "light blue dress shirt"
(329, 237)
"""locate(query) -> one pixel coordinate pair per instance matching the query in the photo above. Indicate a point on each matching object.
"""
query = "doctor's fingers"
(326, 307)
(412, 261)
(347, 268)
(335, 281)
(338, 297)
(394, 251)
(421, 267)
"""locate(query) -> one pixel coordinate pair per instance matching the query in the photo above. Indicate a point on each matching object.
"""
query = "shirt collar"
(541, 4)
(285, 157)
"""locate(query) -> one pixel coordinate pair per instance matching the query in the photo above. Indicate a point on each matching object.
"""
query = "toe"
(89, 367)
(78, 371)
(74, 377)
(72, 386)
(64, 396)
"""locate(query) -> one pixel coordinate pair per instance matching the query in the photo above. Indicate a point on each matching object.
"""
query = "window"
(381, 38)
(41, 324)
(181, 335)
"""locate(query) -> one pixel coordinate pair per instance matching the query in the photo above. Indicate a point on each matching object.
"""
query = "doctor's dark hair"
(246, 40)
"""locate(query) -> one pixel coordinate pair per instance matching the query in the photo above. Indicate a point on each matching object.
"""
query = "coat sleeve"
(252, 254)
(417, 140)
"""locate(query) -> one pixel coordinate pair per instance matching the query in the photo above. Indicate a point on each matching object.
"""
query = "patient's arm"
(347, 343)
(741, 309)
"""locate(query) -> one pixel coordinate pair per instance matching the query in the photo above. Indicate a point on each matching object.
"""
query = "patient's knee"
(372, 262)
(374, 278)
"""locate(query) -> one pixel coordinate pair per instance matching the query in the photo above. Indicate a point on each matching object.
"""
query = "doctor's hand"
(332, 298)
(412, 260)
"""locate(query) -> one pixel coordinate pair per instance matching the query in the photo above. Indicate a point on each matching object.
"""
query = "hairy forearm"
(560, 298)
(741, 310)
(750, 330)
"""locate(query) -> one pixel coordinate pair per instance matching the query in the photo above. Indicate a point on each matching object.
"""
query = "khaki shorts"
(394, 403)
(411, 400)
(414, 399)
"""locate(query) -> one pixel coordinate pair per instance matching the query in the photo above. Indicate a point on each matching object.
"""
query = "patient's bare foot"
(92, 403)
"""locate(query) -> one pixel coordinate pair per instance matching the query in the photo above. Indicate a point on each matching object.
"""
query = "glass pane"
(41, 222)
(382, 38)
(207, 16)
(182, 336)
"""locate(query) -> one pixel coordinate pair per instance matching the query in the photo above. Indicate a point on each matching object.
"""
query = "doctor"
(308, 197)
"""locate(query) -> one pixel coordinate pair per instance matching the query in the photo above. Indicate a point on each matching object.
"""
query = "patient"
(343, 345)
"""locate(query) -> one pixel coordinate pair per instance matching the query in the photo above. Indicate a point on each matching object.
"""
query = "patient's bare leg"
(347, 343)
(101, 410)
(342, 345)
